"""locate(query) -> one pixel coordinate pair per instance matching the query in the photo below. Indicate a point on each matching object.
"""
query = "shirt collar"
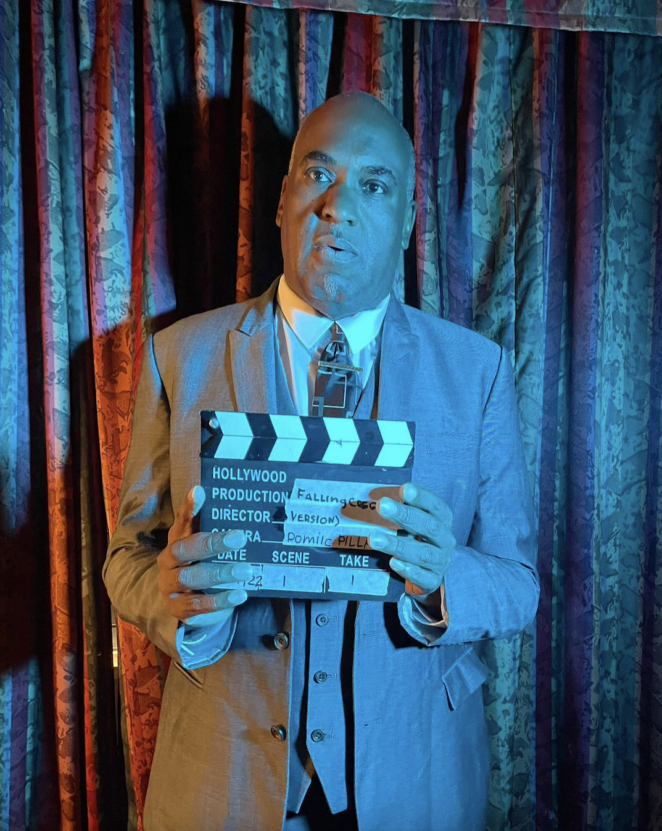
(309, 325)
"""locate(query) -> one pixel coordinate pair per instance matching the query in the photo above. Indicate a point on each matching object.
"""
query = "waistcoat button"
(317, 735)
(321, 620)
(281, 640)
(279, 732)
(320, 676)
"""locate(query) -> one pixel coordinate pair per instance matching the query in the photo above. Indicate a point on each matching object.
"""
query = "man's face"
(343, 212)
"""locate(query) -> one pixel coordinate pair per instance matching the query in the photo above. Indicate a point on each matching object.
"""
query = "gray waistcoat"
(321, 642)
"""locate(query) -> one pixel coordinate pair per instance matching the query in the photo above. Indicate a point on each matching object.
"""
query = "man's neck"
(309, 325)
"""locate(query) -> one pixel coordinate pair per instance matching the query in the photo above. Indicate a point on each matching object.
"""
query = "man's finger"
(412, 551)
(203, 576)
(428, 501)
(189, 604)
(421, 578)
(202, 546)
(190, 507)
(417, 521)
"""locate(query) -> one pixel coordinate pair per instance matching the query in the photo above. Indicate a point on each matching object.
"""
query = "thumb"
(190, 507)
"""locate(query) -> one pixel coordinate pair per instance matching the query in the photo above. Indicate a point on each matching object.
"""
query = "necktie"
(337, 384)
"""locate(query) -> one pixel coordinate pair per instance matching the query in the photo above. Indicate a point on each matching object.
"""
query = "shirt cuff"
(203, 639)
(427, 623)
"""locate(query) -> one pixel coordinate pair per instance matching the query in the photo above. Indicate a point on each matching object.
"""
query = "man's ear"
(279, 212)
(407, 228)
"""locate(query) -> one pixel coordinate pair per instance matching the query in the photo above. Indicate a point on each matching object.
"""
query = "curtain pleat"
(57, 345)
(268, 124)
(130, 286)
(20, 672)
(315, 42)
(143, 149)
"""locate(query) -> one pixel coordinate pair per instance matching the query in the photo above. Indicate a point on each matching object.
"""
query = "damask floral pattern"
(141, 157)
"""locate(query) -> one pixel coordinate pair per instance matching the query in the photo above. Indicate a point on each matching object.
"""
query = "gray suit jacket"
(421, 757)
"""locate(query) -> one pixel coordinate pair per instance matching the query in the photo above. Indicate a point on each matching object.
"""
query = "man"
(328, 714)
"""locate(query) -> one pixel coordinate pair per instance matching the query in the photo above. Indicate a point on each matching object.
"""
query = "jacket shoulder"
(196, 338)
(199, 327)
(455, 340)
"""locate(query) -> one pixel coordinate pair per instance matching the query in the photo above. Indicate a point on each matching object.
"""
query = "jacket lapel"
(254, 368)
(398, 369)
(253, 357)
(398, 366)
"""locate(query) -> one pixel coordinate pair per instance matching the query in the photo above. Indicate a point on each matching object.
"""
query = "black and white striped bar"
(287, 438)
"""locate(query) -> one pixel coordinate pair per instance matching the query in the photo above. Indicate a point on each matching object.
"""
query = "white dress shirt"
(301, 334)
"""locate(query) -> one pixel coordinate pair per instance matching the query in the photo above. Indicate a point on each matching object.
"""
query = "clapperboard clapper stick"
(305, 491)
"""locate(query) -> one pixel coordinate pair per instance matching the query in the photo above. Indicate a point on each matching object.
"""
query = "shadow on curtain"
(143, 147)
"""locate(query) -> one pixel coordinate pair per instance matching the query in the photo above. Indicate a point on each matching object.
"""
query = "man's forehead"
(354, 143)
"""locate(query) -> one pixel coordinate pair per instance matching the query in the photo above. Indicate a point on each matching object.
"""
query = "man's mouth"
(336, 249)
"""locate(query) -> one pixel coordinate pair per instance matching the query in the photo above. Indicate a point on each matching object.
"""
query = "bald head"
(346, 209)
(362, 105)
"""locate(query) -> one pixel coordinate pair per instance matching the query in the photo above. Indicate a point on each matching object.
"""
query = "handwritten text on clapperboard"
(305, 491)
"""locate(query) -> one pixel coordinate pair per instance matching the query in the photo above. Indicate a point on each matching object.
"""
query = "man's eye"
(317, 174)
(374, 187)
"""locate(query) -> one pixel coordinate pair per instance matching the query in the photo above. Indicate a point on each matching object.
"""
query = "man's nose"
(339, 204)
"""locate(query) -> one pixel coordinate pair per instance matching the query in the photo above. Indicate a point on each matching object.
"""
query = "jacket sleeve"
(491, 586)
(145, 515)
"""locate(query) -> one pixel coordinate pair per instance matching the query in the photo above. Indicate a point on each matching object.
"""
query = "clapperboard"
(305, 491)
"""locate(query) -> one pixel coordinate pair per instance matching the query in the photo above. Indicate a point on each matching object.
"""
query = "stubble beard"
(332, 287)
(332, 292)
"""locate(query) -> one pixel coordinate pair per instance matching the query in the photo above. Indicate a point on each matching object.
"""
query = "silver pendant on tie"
(337, 383)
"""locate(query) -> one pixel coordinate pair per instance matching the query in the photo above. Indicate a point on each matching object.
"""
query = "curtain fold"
(142, 155)
(20, 677)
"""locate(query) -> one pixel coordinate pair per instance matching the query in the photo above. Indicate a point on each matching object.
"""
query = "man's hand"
(424, 556)
(183, 574)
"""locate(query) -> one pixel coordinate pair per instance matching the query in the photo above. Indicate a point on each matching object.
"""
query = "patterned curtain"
(142, 146)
